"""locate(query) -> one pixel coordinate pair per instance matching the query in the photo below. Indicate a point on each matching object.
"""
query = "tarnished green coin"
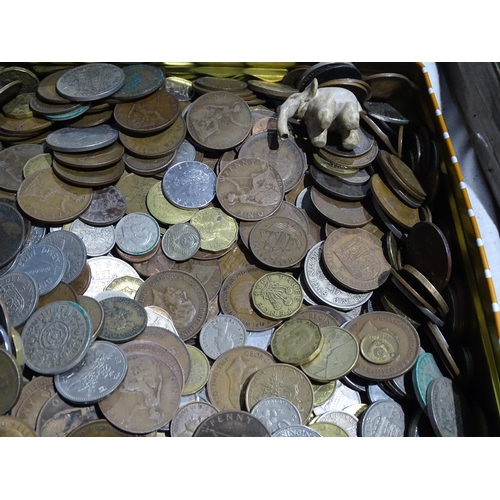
(423, 373)
(297, 341)
(124, 319)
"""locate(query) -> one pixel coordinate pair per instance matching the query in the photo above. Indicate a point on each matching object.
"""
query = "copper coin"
(232, 424)
(284, 155)
(361, 161)
(46, 89)
(52, 109)
(23, 127)
(336, 187)
(235, 299)
(150, 114)
(355, 259)
(341, 213)
(136, 188)
(82, 283)
(207, 272)
(148, 397)
(95, 312)
(181, 295)
(157, 263)
(12, 161)
(375, 323)
(148, 166)
(359, 88)
(90, 120)
(278, 242)
(13, 427)
(94, 159)
(44, 197)
(219, 120)
(140, 81)
(89, 178)
(428, 251)
(249, 189)
(385, 86)
(98, 428)
(12, 233)
(61, 292)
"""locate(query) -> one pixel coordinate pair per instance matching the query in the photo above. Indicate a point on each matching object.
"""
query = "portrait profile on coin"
(179, 306)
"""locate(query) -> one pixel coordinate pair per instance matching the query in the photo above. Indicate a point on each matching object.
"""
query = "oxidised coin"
(124, 319)
(10, 381)
(232, 424)
(140, 81)
(107, 207)
(93, 159)
(12, 161)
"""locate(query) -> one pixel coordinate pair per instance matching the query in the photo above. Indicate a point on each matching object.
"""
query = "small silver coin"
(180, 242)
(296, 431)
(98, 240)
(221, 333)
(45, 263)
(90, 82)
(189, 184)
(346, 421)
(98, 374)
(276, 413)
(107, 207)
(376, 393)
(79, 140)
(137, 233)
(260, 339)
(189, 417)
(383, 419)
(56, 337)
(185, 152)
(140, 81)
(19, 293)
(74, 250)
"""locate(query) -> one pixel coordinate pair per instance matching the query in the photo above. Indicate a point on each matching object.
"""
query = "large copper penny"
(44, 197)
(150, 114)
(148, 397)
(219, 120)
(355, 259)
(376, 324)
(230, 374)
(250, 189)
(94, 159)
(181, 295)
(207, 272)
(232, 424)
(12, 161)
(235, 298)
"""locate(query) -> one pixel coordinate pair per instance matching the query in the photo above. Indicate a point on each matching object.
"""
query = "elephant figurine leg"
(349, 125)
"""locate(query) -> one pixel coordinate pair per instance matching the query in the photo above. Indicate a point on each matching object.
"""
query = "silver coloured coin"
(383, 419)
(98, 240)
(260, 339)
(423, 373)
(200, 396)
(346, 421)
(106, 294)
(360, 177)
(19, 293)
(104, 270)
(296, 431)
(137, 233)
(74, 250)
(323, 289)
(446, 408)
(35, 235)
(56, 337)
(276, 413)
(45, 263)
(341, 398)
(376, 393)
(90, 82)
(221, 333)
(180, 242)
(160, 318)
(140, 81)
(181, 88)
(80, 140)
(189, 417)
(189, 184)
(185, 152)
(98, 374)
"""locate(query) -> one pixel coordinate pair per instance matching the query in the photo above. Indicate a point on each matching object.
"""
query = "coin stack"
(171, 266)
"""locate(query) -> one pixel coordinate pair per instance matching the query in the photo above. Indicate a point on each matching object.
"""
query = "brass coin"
(126, 284)
(19, 107)
(14, 427)
(323, 392)
(277, 295)
(181, 295)
(405, 335)
(278, 242)
(297, 341)
(328, 429)
(136, 188)
(89, 178)
(218, 231)
(158, 144)
(230, 374)
(94, 159)
(95, 312)
(151, 114)
(10, 381)
(235, 297)
(249, 189)
(163, 211)
(39, 162)
(200, 369)
(284, 381)
(219, 120)
(44, 197)
(12, 161)
(380, 347)
(355, 258)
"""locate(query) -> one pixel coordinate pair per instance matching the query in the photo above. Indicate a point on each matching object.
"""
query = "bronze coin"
(278, 242)
(61, 292)
(385, 86)
(284, 155)
(207, 272)
(157, 263)
(148, 166)
(342, 213)
(95, 312)
(219, 120)
(52, 109)
(98, 428)
(361, 161)
(359, 88)
(208, 255)
(151, 114)
(232, 424)
(94, 159)
(44, 197)
(235, 299)
(10, 381)
(216, 84)
(249, 189)
(9, 91)
(81, 284)
(156, 145)
(90, 119)
(334, 145)
(136, 258)
(89, 178)
(428, 251)
(136, 188)
(181, 295)
(12, 161)
(335, 186)
(408, 341)
(46, 89)
(107, 207)
(12, 232)
(355, 259)
(24, 126)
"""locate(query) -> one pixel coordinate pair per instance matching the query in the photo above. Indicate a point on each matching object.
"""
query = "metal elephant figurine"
(322, 110)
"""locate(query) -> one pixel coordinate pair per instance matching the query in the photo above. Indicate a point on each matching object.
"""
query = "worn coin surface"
(107, 207)
(75, 140)
(198, 374)
(232, 424)
(297, 431)
(221, 333)
(10, 381)
(95, 312)
(124, 319)
(208, 272)
(98, 240)
(180, 242)
(163, 211)
(98, 428)
(189, 417)
(383, 419)
(140, 81)
(14, 427)
(56, 337)
(423, 373)
(218, 231)
(12, 161)
(12, 233)
(344, 420)
(89, 178)
(137, 233)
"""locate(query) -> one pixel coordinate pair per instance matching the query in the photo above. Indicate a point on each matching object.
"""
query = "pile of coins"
(171, 266)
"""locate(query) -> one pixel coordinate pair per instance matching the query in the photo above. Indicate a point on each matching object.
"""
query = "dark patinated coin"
(232, 424)
(89, 178)
(334, 145)
(107, 207)
(12, 233)
(335, 185)
(9, 91)
(140, 81)
(19, 293)
(124, 319)
(46, 89)
(10, 381)
(12, 161)
(324, 71)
